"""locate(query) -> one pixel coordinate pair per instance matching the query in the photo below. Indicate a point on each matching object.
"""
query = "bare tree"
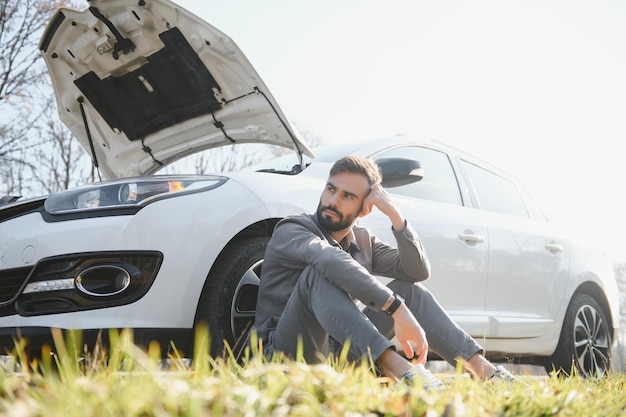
(61, 162)
(22, 78)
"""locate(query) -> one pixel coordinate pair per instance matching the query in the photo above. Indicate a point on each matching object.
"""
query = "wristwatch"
(394, 305)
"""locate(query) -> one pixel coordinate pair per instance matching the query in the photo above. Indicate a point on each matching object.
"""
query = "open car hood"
(144, 83)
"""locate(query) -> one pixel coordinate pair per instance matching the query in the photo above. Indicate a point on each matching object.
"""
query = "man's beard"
(333, 225)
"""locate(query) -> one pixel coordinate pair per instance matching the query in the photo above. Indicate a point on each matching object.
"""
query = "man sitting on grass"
(316, 265)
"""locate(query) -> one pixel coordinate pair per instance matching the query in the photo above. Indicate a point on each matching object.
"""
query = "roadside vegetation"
(128, 381)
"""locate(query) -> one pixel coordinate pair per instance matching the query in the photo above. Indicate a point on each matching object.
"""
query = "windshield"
(289, 162)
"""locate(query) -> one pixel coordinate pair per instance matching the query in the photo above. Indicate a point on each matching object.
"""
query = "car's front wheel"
(585, 342)
(228, 301)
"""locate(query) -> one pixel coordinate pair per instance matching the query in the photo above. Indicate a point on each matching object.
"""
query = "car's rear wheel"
(585, 342)
(228, 301)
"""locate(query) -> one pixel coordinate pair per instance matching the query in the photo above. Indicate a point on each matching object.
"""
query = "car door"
(453, 235)
(527, 258)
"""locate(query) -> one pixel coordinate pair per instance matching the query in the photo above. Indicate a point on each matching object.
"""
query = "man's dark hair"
(358, 165)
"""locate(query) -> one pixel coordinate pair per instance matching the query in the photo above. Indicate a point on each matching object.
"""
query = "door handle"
(471, 237)
(554, 247)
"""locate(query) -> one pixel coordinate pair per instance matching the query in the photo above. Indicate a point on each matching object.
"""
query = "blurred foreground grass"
(130, 382)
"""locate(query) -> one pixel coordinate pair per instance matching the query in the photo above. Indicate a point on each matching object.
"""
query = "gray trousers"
(321, 318)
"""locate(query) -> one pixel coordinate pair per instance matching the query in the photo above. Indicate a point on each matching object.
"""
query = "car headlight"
(126, 193)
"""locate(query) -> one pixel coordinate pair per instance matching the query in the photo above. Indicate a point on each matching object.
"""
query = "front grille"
(11, 280)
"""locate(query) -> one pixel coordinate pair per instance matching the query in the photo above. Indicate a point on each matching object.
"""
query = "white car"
(143, 84)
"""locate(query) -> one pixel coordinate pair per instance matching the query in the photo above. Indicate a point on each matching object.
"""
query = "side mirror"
(399, 171)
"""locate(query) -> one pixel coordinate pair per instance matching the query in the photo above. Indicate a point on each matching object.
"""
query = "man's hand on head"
(379, 198)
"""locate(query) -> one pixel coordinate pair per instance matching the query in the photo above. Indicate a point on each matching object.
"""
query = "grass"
(130, 382)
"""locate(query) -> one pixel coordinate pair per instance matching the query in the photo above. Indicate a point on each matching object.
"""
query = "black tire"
(228, 300)
(585, 341)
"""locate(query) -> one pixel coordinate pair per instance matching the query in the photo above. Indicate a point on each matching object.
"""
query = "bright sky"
(536, 87)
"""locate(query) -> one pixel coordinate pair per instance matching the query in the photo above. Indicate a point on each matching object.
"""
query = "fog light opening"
(103, 280)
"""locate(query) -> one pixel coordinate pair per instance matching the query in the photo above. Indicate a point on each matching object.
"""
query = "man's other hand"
(409, 334)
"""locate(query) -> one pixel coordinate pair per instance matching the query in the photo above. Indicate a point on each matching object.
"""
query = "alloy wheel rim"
(242, 310)
(591, 342)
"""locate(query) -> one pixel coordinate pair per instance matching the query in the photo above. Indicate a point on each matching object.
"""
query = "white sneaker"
(502, 375)
(419, 373)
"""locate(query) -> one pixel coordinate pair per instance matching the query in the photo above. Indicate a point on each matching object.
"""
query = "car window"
(439, 183)
(495, 193)
(536, 212)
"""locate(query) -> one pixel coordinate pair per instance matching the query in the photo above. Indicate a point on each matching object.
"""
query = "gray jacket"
(298, 241)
